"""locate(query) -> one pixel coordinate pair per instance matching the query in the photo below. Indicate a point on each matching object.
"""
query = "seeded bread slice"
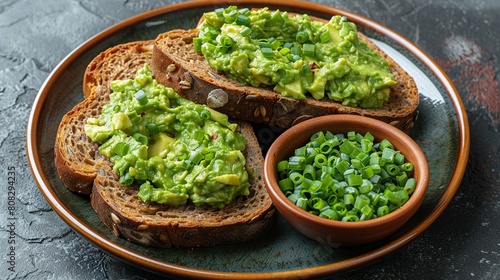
(83, 169)
(157, 225)
(75, 154)
(177, 65)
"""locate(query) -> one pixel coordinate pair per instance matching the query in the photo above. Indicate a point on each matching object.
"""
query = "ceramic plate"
(441, 130)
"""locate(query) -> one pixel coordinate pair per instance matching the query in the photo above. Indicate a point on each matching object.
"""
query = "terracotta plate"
(441, 130)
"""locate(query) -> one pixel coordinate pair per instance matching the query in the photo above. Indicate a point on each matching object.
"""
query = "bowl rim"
(421, 174)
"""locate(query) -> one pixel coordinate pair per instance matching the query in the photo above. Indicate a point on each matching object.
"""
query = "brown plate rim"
(154, 265)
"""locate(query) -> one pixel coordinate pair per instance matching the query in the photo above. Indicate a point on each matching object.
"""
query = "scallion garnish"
(302, 37)
(242, 20)
(324, 37)
(267, 52)
(309, 50)
(141, 97)
(346, 177)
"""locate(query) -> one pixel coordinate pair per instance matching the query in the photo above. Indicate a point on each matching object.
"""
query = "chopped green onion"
(282, 166)
(407, 167)
(245, 31)
(320, 160)
(366, 186)
(284, 51)
(152, 128)
(325, 36)
(382, 210)
(367, 172)
(242, 20)
(264, 44)
(340, 209)
(212, 34)
(301, 203)
(388, 155)
(392, 169)
(399, 158)
(348, 199)
(296, 178)
(231, 16)
(346, 176)
(351, 135)
(329, 214)
(346, 147)
(141, 97)
(367, 211)
(318, 138)
(342, 166)
(244, 11)
(410, 186)
(197, 42)
(332, 199)
(309, 50)
(361, 201)
(354, 180)
(318, 203)
(196, 156)
(219, 12)
(205, 114)
(302, 37)
(297, 163)
(293, 198)
(296, 50)
(267, 52)
(302, 151)
(309, 172)
(162, 127)
(286, 184)
(385, 144)
(121, 148)
(401, 178)
(126, 179)
(226, 41)
(276, 44)
(141, 138)
(350, 218)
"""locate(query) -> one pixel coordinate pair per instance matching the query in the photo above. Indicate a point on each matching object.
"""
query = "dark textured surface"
(462, 36)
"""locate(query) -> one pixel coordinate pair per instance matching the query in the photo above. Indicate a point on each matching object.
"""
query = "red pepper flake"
(313, 65)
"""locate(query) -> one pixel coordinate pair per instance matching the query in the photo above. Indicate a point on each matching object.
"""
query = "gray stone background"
(461, 35)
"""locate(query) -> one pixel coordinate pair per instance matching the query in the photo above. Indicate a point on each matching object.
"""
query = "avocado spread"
(178, 151)
(295, 55)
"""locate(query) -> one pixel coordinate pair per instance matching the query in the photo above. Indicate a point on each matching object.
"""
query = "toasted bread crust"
(184, 226)
(177, 65)
(84, 170)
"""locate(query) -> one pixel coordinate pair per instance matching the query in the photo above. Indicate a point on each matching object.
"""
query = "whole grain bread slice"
(176, 64)
(75, 154)
(151, 224)
(82, 169)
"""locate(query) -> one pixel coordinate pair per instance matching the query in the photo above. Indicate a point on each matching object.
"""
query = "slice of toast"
(82, 169)
(75, 154)
(176, 64)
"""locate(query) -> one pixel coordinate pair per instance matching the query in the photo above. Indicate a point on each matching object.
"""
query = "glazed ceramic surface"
(441, 131)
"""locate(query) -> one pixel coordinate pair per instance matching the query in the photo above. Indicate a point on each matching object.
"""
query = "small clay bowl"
(334, 232)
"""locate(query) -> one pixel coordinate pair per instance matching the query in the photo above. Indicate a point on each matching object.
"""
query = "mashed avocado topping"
(295, 55)
(178, 151)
